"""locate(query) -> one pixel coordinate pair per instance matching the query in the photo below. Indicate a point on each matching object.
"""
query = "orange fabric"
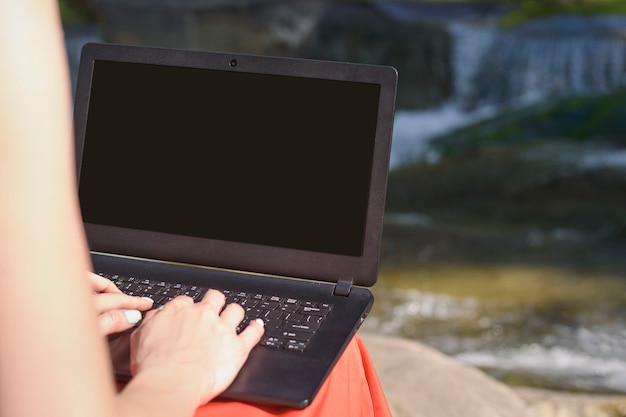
(352, 389)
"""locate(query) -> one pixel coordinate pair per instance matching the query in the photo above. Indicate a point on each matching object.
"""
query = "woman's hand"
(193, 347)
(116, 311)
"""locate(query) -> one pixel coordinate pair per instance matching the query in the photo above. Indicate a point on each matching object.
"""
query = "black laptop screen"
(235, 156)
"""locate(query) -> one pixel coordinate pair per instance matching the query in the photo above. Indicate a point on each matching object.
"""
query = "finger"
(251, 335)
(173, 305)
(178, 302)
(149, 315)
(119, 301)
(215, 298)
(102, 284)
(233, 314)
(116, 321)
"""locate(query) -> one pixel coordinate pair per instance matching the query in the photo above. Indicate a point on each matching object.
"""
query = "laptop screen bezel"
(361, 270)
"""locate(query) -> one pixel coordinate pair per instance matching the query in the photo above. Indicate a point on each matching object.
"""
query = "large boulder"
(422, 382)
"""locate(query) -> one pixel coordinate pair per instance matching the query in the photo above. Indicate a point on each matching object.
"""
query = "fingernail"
(260, 322)
(149, 299)
(132, 316)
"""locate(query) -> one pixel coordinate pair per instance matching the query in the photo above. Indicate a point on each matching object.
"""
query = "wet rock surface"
(420, 381)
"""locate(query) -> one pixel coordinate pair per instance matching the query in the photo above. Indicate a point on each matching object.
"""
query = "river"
(542, 327)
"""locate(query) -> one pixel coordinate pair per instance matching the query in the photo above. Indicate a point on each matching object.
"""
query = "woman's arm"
(53, 360)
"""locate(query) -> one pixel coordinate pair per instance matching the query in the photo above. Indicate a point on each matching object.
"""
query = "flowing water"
(536, 321)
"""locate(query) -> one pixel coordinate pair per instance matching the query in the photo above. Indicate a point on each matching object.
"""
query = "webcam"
(233, 62)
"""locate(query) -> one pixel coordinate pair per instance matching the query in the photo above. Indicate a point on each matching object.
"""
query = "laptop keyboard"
(290, 324)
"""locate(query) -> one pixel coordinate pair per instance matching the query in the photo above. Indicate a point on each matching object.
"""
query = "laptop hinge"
(343, 287)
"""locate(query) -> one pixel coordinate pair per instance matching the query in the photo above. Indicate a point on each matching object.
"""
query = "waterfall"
(551, 57)
(471, 41)
(495, 68)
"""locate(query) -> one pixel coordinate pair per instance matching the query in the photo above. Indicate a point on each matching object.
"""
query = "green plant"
(524, 10)
(76, 11)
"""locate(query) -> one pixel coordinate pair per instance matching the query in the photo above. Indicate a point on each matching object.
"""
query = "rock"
(420, 50)
(422, 382)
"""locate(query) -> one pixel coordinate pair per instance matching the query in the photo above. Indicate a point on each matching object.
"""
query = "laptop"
(262, 177)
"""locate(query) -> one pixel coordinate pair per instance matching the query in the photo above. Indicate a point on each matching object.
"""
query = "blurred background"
(505, 232)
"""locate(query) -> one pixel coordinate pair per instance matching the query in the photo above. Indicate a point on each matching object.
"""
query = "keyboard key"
(301, 327)
(293, 317)
(317, 311)
(289, 308)
(274, 342)
(269, 305)
(295, 346)
(274, 314)
(297, 335)
(255, 312)
(272, 323)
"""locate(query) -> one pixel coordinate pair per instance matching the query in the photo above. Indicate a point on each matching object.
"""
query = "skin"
(53, 356)
(112, 306)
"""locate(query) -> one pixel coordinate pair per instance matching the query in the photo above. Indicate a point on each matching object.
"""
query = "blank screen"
(243, 157)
